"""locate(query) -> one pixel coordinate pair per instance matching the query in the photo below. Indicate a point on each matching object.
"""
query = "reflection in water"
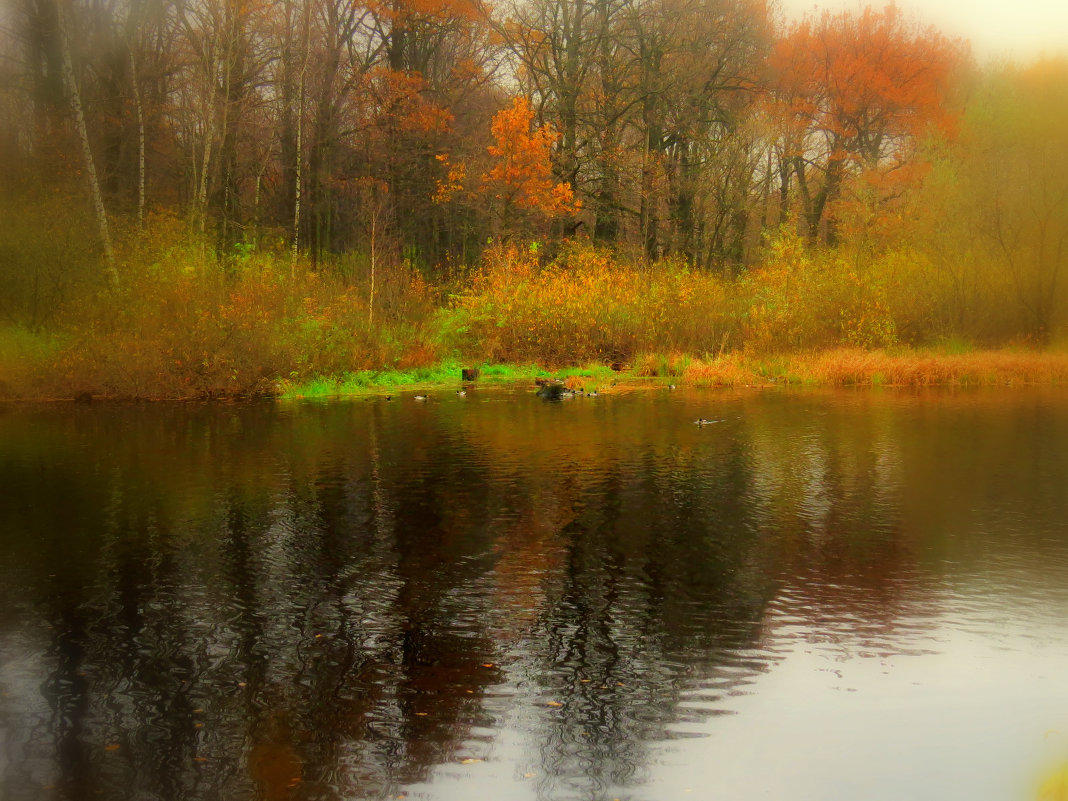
(451, 600)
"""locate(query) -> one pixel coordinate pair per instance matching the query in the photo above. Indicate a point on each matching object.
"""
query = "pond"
(822, 595)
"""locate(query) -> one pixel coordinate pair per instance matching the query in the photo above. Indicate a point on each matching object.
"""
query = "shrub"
(804, 298)
(185, 323)
(585, 306)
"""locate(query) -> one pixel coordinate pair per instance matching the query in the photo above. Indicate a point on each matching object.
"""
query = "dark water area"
(824, 595)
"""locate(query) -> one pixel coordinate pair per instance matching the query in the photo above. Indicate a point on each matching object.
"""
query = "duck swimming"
(420, 398)
(701, 421)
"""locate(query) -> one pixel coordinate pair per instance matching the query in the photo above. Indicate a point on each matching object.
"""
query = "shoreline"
(833, 368)
(830, 368)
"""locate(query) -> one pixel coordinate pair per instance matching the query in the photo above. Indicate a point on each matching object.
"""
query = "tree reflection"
(338, 601)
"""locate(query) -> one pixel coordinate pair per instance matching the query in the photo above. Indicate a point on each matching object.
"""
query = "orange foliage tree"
(521, 178)
(854, 93)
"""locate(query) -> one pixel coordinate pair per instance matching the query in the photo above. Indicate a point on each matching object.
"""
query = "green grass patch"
(371, 381)
(510, 373)
(446, 373)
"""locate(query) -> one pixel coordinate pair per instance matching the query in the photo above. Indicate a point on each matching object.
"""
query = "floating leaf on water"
(469, 761)
(553, 703)
(111, 747)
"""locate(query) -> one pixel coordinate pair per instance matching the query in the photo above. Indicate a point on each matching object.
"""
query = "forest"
(207, 198)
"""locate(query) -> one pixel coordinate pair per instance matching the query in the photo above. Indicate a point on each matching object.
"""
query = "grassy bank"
(840, 367)
(447, 376)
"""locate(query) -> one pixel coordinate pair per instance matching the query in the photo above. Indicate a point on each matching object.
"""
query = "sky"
(1020, 30)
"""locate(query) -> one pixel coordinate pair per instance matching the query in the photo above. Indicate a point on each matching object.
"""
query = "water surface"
(824, 595)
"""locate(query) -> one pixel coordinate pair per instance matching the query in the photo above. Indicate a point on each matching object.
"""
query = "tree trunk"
(140, 141)
(647, 214)
(374, 254)
(294, 247)
(87, 151)
(209, 137)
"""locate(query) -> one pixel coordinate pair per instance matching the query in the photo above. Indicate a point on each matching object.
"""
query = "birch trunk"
(209, 136)
(87, 151)
(294, 247)
(140, 141)
(374, 254)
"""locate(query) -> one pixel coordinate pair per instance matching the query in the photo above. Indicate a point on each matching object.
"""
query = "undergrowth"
(187, 322)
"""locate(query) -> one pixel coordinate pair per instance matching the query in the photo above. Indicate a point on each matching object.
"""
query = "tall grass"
(931, 368)
(860, 367)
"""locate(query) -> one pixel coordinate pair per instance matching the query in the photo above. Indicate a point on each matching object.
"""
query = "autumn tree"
(521, 179)
(385, 82)
(335, 70)
(854, 93)
(647, 96)
(697, 65)
(555, 48)
(229, 54)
